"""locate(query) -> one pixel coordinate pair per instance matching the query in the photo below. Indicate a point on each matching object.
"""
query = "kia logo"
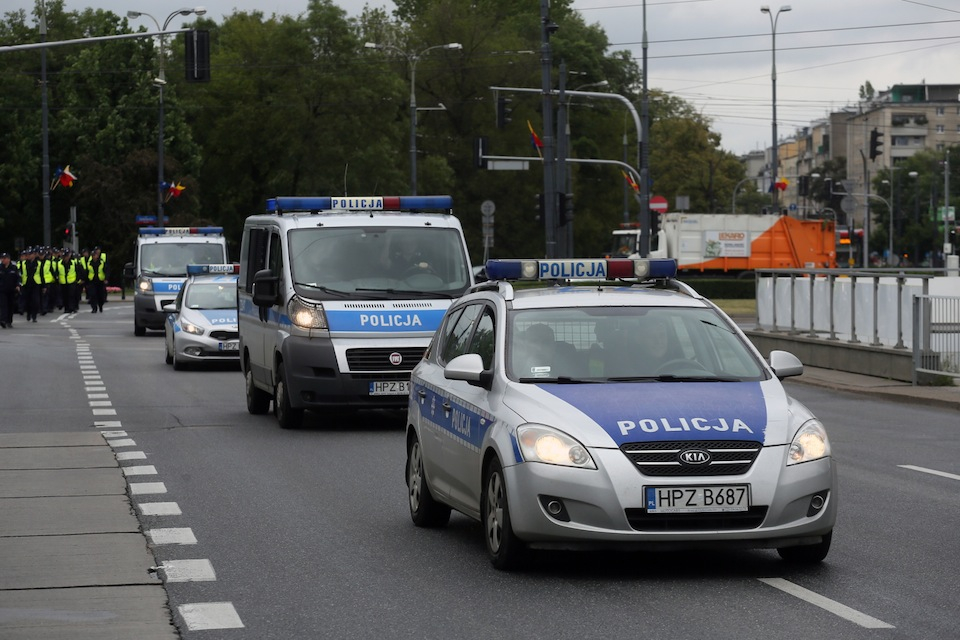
(396, 359)
(694, 456)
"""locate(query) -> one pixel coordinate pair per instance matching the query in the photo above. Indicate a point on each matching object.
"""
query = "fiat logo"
(396, 359)
(694, 456)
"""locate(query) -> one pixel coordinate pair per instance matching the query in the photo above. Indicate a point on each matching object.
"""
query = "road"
(306, 533)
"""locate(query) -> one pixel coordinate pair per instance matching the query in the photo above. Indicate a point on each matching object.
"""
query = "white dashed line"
(172, 536)
(107, 424)
(104, 412)
(114, 434)
(210, 615)
(827, 604)
(140, 470)
(933, 472)
(131, 455)
(121, 442)
(100, 403)
(160, 509)
(188, 571)
(147, 488)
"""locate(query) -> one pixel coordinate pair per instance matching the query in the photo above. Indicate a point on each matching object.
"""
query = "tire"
(287, 416)
(169, 358)
(258, 400)
(178, 364)
(807, 554)
(425, 511)
(138, 329)
(505, 549)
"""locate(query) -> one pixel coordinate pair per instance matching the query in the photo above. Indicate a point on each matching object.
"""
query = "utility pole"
(946, 207)
(45, 176)
(644, 149)
(549, 143)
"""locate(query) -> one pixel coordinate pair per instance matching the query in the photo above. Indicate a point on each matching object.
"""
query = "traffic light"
(565, 209)
(539, 217)
(503, 111)
(876, 141)
(197, 55)
(67, 233)
(803, 186)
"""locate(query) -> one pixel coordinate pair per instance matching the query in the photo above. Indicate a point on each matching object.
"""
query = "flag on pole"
(630, 181)
(535, 140)
(173, 190)
(62, 177)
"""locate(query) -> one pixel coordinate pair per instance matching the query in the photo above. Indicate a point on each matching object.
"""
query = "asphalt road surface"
(306, 533)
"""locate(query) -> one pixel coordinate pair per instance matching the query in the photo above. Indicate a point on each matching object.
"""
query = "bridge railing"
(936, 335)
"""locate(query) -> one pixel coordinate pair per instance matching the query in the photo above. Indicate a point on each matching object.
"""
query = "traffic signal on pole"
(539, 217)
(67, 233)
(197, 55)
(503, 111)
(803, 186)
(876, 141)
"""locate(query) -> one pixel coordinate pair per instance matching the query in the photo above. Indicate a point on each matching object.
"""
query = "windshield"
(211, 295)
(626, 343)
(386, 261)
(172, 258)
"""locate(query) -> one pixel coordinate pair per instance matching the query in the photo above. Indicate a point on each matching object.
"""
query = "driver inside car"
(405, 256)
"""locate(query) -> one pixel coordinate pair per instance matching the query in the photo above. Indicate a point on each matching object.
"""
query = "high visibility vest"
(49, 271)
(23, 273)
(68, 271)
(100, 272)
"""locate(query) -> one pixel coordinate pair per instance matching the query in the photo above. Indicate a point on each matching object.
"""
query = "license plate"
(390, 388)
(230, 346)
(697, 499)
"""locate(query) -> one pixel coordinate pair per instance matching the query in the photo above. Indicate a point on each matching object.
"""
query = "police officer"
(97, 280)
(49, 277)
(9, 288)
(82, 271)
(69, 268)
(31, 283)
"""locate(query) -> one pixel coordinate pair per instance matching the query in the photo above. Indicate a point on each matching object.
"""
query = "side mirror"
(170, 308)
(785, 364)
(128, 271)
(469, 368)
(265, 286)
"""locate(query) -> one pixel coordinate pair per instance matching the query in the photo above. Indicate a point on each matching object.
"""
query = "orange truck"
(735, 243)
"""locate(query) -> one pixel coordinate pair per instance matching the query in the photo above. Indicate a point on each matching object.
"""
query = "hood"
(215, 318)
(609, 415)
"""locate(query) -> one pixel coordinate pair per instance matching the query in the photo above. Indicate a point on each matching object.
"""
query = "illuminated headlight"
(810, 443)
(543, 444)
(189, 327)
(305, 315)
(144, 285)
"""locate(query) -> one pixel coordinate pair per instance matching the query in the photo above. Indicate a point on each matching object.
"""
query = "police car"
(629, 412)
(201, 325)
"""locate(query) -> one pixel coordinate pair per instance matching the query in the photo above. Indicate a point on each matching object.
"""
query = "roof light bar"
(180, 231)
(358, 203)
(213, 269)
(586, 269)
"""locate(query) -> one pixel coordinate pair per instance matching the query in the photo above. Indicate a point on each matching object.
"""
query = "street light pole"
(412, 60)
(160, 81)
(775, 150)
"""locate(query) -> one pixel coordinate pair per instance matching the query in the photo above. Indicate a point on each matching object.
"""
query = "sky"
(717, 54)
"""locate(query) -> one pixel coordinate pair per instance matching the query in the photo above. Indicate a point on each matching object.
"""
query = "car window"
(483, 341)
(457, 340)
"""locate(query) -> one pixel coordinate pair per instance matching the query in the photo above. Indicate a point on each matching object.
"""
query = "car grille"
(379, 359)
(225, 335)
(727, 457)
(640, 520)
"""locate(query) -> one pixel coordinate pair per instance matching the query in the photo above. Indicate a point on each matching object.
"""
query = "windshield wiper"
(669, 377)
(562, 380)
(412, 292)
(314, 285)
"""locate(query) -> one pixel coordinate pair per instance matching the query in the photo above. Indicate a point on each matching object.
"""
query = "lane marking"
(103, 424)
(100, 403)
(933, 472)
(160, 509)
(114, 434)
(104, 412)
(827, 604)
(121, 442)
(183, 535)
(146, 488)
(96, 389)
(139, 470)
(210, 615)
(131, 455)
(188, 571)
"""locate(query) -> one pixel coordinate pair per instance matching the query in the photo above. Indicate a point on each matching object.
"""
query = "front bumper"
(194, 348)
(606, 507)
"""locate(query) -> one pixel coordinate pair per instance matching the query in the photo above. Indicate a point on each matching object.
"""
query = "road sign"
(658, 204)
(487, 207)
(793, 206)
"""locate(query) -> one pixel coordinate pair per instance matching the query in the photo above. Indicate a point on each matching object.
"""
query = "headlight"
(544, 444)
(810, 443)
(144, 285)
(305, 315)
(191, 328)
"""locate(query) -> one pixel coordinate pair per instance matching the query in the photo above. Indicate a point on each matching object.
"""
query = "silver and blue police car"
(629, 412)
(201, 324)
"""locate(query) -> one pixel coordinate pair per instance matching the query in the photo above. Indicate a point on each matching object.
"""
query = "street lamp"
(775, 159)
(160, 81)
(413, 59)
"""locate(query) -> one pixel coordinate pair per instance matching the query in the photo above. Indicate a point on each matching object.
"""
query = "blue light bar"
(180, 231)
(358, 203)
(213, 269)
(577, 269)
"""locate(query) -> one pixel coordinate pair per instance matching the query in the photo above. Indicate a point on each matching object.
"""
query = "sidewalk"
(944, 397)
(73, 561)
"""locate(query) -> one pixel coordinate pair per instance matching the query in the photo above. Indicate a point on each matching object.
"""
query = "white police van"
(159, 268)
(339, 297)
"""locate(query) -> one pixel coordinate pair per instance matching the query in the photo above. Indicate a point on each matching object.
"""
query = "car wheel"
(287, 416)
(505, 549)
(169, 358)
(138, 329)
(809, 553)
(178, 364)
(258, 400)
(425, 511)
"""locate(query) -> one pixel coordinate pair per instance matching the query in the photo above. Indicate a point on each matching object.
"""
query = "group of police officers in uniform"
(47, 278)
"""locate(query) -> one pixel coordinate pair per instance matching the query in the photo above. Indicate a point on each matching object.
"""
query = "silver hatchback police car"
(201, 324)
(626, 412)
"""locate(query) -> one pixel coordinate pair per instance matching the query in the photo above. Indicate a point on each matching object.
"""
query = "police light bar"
(358, 203)
(588, 269)
(180, 231)
(213, 269)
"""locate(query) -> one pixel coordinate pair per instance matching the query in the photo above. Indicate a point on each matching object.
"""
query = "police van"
(339, 297)
(159, 268)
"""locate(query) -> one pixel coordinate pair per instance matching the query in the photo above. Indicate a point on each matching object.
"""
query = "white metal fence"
(936, 334)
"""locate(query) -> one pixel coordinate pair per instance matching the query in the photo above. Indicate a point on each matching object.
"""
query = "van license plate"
(697, 499)
(233, 345)
(390, 388)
